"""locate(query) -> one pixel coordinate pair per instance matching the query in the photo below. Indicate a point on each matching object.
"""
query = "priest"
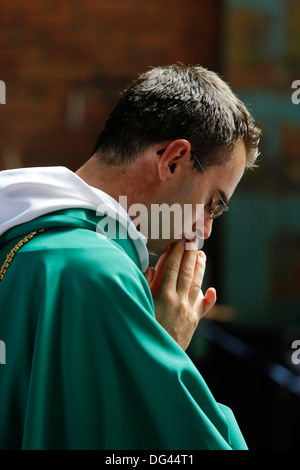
(95, 338)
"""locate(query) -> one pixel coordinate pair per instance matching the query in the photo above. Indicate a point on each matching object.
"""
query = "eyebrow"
(218, 201)
(223, 196)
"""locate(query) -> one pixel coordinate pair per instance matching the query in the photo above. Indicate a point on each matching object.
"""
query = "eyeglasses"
(221, 208)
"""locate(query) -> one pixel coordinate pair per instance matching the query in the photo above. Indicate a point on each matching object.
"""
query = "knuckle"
(172, 266)
(195, 322)
(186, 272)
(169, 297)
(194, 318)
(182, 306)
(201, 262)
(196, 285)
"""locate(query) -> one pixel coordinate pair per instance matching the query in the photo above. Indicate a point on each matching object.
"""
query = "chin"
(158, 247)
(157, 251)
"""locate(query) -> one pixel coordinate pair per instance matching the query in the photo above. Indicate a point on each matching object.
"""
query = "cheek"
(196, 190)
(195, 196)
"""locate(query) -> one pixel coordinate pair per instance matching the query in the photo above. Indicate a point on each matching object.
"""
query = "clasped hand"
(175, 283)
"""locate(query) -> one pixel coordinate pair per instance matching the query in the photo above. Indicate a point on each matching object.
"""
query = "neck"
(134, 180)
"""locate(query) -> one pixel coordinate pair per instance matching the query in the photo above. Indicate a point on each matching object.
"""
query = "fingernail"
(202, 255)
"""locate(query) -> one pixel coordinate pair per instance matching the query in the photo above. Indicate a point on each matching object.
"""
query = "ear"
(175, 159)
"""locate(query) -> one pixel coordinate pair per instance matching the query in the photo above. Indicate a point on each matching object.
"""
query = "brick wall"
(64, 62)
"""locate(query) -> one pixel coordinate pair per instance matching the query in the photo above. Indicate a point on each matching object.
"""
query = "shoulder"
(79, 254)
(78, 245)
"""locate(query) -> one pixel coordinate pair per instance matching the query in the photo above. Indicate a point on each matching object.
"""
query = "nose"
(205, 230)
(208, 223)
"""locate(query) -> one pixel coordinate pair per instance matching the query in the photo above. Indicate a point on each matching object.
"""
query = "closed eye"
(208, 205)
(212, 202)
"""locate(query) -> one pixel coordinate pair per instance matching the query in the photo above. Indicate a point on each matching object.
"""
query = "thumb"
(158, 271)
(209, 300)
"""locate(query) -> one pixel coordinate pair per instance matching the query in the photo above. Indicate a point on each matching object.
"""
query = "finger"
(172, 266)
(159, 267)
(209, 300)
(158, 272)
(186, 273)
(197, 280)
(149, 275)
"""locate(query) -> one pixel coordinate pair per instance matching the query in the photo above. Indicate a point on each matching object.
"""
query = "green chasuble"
(87, 364)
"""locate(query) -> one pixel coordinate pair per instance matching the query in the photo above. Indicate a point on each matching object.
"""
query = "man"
(95, 356)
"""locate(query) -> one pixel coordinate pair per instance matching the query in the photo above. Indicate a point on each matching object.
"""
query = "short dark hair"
(178, 102)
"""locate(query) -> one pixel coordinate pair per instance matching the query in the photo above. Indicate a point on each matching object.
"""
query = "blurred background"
(64, 63)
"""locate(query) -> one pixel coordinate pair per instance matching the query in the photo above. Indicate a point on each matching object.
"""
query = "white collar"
(28, 193)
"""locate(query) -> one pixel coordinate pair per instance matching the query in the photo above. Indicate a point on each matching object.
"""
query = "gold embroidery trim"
(16, 248)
